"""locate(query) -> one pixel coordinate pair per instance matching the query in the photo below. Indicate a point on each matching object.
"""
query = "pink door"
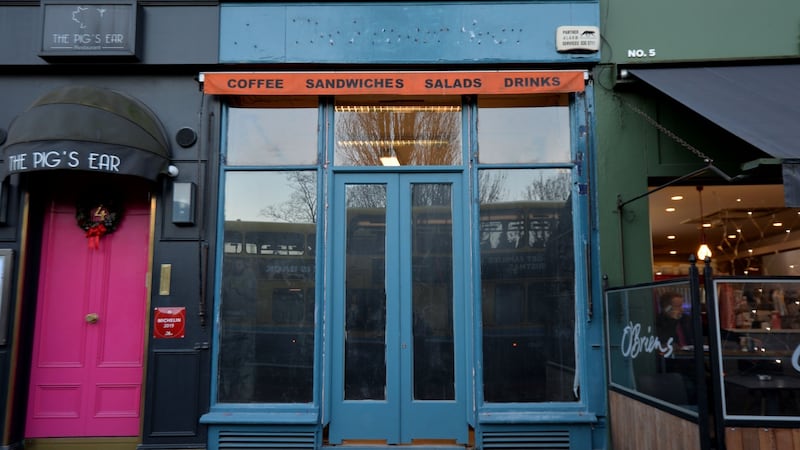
(86, 375)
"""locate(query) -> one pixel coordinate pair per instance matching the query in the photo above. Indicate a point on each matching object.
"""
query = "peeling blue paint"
(452, 32)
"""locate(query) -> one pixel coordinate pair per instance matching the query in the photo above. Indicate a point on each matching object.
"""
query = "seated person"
(674, 329)
(672, 323)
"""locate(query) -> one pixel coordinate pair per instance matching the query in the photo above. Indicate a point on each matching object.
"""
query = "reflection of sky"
(275, 136)
(248, 193)
(516, 181)
(519, 135)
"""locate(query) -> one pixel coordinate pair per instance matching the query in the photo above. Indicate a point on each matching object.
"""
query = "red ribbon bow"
(94, 234)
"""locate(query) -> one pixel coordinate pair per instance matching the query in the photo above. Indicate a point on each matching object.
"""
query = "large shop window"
(267, 303)
(527, 264)
(524, 181)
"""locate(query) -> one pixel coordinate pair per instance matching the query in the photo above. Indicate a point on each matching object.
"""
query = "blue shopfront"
(404, 249)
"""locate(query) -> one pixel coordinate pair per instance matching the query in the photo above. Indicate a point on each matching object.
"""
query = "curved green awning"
(90, 129)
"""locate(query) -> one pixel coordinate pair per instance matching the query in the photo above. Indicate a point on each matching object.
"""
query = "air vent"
(235, 440)
(525, 439)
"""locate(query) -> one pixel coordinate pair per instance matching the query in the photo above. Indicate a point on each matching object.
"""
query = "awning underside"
(759, 104)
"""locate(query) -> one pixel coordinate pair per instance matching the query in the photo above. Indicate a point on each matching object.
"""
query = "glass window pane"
(267, 301)
(523, 135)
(527, 285)
(365, 298)
(272, 136)
(651, 343)
(432, 291)
(759, 320)
(398, 135)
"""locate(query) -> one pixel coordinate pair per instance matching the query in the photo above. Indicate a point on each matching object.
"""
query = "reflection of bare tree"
(549, 186)
(433, 194)
(301, 207)
(415, 136)
(490, 186)
(366, 196)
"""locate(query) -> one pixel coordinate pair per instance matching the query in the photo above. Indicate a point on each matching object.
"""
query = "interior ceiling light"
(389, 161)
(670, 209)
(703, 251)
(676, 197)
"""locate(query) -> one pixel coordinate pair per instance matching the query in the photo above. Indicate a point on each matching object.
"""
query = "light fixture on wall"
(703, 251)
(183, 203)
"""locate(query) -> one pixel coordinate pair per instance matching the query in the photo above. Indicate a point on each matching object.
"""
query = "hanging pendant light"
(703, 251)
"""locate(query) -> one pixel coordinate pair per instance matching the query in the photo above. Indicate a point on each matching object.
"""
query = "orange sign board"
(392, 83)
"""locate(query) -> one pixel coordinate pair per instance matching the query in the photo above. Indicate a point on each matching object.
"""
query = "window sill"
(260, 417)
(535, 417)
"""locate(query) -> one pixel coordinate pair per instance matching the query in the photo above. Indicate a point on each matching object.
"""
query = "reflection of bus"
(281, 257)
(523, 245)
(527, 297)
(267, 312)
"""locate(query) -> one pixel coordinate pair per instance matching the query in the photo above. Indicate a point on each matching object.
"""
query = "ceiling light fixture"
(390, 161)
(703, 251)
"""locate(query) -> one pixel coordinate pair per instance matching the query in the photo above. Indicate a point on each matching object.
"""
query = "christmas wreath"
(97, 217)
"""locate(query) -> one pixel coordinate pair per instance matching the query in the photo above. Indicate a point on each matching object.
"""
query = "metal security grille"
(525, 440)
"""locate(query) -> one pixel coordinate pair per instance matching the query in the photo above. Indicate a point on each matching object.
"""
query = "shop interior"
(747, 228)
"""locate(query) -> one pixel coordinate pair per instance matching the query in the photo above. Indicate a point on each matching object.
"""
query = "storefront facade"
(419, 262)
(694, 147)
(306, 225)
(103, 125)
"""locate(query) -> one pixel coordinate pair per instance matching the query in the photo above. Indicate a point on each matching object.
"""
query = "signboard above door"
(96, 29)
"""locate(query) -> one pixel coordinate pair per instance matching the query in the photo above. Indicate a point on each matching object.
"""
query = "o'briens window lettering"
(634, 343)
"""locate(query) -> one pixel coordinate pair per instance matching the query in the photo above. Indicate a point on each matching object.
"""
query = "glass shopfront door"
(398, 305)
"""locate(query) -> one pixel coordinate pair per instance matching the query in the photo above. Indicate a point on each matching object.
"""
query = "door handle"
(91, 318)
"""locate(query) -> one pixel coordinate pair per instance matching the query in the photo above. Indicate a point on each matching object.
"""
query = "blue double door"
(399, 298)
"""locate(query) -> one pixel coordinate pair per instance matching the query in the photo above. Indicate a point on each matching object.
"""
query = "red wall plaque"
(169, 323)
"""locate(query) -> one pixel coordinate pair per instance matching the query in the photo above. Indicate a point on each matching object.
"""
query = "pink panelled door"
(86, 375)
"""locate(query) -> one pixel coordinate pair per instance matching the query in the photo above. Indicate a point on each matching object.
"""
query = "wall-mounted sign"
(392, 83)
(89, 28)
(169, 322)
(579, 39)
